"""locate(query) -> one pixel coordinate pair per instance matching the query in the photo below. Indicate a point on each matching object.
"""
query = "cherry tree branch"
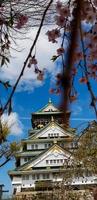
(26, 60)
(93, 103)
(5, 162)
(67, 78)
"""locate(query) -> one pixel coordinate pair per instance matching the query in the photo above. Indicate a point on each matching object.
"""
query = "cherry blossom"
(72, 98)
(40, 76)
(65, 12)
(60, 51)
(60, 20)
(58, 6)
(83, 80)
(33, 60)
(52, 90)
(21, 21)
(53, 35)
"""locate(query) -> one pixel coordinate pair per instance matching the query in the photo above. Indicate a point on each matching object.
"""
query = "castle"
(43, 154)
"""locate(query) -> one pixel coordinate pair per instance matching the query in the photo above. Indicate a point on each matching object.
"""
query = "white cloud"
(77, 110)
(82, 119)
(14, 123)
(44, 51)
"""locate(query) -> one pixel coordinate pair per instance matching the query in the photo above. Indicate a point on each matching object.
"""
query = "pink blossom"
(33, 60)
(58, 91)
(58, 6)
(40, 75)
(91, 16)
(52, 90)
(36, 69)
(60, 20)
(22, 20)
(60, 51)
(53, 35)
(74, 71)
(72, 98)
(64, 12)
(83, 80)
(86, 6)
(18, 26)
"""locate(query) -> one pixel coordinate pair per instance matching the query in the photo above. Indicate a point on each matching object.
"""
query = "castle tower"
(45, 151)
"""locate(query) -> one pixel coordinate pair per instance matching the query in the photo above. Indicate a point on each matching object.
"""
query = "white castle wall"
(36, 146)
(51, 160)
(52, 131)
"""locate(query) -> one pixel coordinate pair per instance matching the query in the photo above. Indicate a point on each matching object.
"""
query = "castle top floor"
(43, 116)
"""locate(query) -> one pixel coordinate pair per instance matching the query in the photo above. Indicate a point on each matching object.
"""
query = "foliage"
(87, 149)
(57, 195)
(7, 149)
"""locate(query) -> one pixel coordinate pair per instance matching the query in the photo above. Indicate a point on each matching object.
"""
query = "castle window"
(37, 176)
(62, 144)
(33, 176)
(50, 110)
(25, 159)
(25, 177)
(32, 146)
(46, 161)
(45, 176)
(55, 161)
(36, 146)
(46, 145)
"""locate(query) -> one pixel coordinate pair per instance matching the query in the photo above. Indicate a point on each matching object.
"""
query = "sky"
(33, 94)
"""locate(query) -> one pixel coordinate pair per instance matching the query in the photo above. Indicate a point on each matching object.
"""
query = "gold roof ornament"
(55, 141)
(52, 119)
(40, 126)
(52, 122)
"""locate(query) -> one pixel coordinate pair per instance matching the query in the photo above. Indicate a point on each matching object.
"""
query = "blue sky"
(31, 94)
(27, 102)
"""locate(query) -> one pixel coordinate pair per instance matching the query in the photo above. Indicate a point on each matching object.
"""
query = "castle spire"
(50, 100)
